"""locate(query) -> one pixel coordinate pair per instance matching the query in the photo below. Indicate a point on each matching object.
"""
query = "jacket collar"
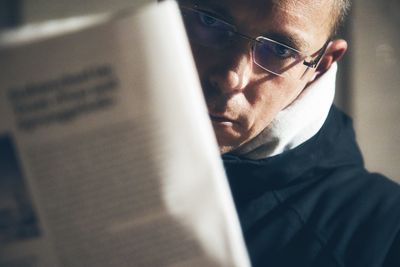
(334, 146)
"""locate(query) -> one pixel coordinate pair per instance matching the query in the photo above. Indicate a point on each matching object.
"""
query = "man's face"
(243, 98)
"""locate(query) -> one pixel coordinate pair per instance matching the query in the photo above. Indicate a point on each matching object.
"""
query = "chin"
(229, 136)
(224, 150)
(227, 142)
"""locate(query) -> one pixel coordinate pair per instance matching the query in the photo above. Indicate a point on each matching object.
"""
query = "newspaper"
(107, 155)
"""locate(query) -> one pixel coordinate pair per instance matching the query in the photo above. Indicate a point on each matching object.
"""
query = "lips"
(222, 120)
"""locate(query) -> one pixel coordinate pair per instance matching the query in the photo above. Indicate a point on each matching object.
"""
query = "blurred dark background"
(368, 81)
(10, 13)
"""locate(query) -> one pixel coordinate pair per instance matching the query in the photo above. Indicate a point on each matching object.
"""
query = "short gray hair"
(340, 10)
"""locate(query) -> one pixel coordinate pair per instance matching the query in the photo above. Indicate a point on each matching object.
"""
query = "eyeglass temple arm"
(314, 63)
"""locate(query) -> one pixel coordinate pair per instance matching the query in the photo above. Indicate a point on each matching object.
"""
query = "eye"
(282, 51)
(207, 20)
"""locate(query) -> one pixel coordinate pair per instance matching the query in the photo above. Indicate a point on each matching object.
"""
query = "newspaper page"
(107, 155)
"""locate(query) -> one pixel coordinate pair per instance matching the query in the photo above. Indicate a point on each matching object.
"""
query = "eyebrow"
(215, 10)
(293, 41)
(288, 39)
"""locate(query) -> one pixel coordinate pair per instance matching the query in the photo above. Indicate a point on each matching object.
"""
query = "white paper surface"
(106, 132)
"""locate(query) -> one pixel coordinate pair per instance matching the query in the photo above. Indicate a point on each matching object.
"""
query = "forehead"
(302, 21)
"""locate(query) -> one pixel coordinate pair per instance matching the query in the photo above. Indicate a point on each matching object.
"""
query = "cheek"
(286, 91)
(267, 99)
(203, 58)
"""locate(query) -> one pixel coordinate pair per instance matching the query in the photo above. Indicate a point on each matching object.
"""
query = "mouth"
(222, 120)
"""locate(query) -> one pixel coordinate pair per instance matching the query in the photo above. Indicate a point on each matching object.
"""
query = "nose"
(233, 74)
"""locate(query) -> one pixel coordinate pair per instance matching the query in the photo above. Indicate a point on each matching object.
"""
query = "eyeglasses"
(272, 56)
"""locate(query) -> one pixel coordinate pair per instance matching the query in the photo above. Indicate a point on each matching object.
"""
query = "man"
(303, 197)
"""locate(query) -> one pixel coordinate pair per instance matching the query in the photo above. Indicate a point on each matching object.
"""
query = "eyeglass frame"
(318, 55)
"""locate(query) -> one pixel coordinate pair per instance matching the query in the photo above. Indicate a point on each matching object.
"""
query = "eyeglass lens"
(275, 57)
(206, 30)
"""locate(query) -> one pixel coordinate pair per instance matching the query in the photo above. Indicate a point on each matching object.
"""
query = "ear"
(334, 52)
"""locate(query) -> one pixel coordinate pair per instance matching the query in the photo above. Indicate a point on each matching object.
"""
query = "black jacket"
(316, 205)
